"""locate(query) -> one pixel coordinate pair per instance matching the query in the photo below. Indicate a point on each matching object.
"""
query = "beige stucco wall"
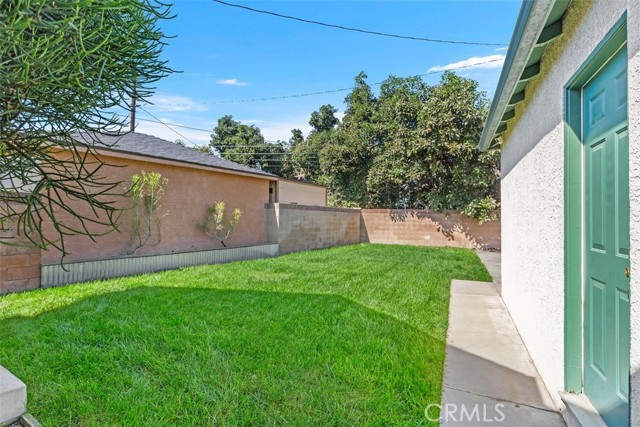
(427, 228)
(301, 193)
(533, 192)
(19, 262)
(187, 194)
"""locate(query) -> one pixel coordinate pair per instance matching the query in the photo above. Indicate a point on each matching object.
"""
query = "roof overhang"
(539, 22)
(109, 152)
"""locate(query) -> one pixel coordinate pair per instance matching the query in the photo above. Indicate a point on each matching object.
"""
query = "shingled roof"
(141, 144)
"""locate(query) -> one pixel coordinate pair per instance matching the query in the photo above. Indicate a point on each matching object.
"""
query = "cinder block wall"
(299, 228)
(428, 228)
(19, 266)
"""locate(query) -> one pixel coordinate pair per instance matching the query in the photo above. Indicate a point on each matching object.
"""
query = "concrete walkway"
(491, 260)
(489, 378)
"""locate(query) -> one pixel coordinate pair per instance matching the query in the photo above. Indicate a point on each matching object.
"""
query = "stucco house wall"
(301, 193)
(188, 193)
(533, 192)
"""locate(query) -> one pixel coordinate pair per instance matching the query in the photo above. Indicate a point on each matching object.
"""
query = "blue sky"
(228, 54)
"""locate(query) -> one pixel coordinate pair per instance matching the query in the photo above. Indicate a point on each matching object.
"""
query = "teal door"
(606, 215)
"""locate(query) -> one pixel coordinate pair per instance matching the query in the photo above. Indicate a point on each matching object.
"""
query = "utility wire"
(168, 124)
(358, 30)
(170, 128)
(172, 125)
(299, 95)
(252, 153)
(349, 88)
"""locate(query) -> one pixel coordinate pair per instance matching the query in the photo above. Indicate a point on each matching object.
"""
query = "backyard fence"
(428, 228)
(287, 228)
(299, 228)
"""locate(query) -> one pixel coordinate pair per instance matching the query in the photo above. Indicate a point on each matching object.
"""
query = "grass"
(350, 336)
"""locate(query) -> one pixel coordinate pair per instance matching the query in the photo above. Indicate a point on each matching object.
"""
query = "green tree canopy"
(296, 138)
(412, 146)
(324, 119)
(245, 144)
(66, 66)
(304, 162)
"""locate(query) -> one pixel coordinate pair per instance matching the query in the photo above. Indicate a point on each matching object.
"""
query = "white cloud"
(231, 82)
(165, 132)
(490, 61)
(502, 49)
(172, 104)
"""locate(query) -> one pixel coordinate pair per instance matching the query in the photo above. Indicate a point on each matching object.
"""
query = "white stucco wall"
(533, 192)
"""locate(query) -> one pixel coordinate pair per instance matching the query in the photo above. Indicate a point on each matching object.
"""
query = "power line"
(358, 30)
(169, 127)
(251, 153)
(168, 124)
(352, 87)
(173, 124)
(300, 95)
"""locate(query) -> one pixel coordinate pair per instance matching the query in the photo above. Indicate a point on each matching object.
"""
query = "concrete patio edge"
(13, 397)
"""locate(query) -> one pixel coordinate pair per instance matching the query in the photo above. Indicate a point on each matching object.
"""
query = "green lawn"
(350, 336)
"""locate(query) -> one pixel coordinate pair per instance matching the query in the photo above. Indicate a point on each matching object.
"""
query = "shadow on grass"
(197, 357)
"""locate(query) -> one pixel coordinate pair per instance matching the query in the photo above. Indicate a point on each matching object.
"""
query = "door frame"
(574, 262)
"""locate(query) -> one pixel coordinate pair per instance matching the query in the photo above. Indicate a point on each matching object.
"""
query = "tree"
(392, 174)
(305, 154)
(324, 119)
(245, 144)
(203, 149)
(413, 146)
(429, 157)
(296, 139)
(456, 175)
(66, 65)
(347, 157)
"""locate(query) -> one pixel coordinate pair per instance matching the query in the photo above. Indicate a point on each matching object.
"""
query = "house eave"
(539, 22)
(102, 151)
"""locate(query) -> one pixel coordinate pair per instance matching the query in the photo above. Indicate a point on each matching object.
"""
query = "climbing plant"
(217, 225)
(146, 191)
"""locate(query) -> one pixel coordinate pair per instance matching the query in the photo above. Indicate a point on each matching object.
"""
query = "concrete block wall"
(19, 266)
(299, 228)
(428, 228)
